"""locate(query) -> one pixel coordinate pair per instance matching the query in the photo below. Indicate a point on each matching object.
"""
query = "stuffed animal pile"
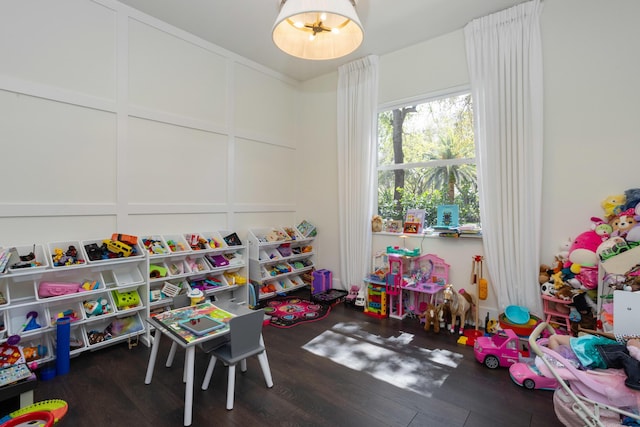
(574, 273)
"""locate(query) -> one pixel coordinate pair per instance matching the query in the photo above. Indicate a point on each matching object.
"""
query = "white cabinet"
(105, 299)
(214, 262)
(281, 260)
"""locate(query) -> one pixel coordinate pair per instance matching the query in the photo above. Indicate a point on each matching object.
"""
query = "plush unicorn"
(459, 304)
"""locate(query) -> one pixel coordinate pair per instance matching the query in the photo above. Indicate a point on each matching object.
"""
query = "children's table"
(167, 323)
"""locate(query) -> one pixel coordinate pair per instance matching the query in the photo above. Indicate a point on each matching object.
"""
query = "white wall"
(591, 143)
(111, 120)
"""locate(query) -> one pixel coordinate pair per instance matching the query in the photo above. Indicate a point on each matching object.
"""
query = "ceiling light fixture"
(317, 29)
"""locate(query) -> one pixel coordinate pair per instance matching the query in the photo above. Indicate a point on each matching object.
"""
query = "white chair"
(245, 341)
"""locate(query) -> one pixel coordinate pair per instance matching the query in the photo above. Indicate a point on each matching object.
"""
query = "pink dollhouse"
(413, 281)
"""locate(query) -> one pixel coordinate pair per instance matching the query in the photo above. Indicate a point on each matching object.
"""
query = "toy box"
(321, 291)
(322, 280)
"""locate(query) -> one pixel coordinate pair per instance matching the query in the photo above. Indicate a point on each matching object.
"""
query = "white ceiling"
(244, 26)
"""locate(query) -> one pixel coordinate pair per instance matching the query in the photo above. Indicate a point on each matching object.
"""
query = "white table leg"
(188, 392)
(152, 357)
(172, 353)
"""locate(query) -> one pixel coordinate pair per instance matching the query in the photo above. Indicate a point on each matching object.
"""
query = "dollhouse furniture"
(412, 280)
(552, 314)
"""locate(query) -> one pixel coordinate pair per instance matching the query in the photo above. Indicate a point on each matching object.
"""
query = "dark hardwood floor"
(106, 387)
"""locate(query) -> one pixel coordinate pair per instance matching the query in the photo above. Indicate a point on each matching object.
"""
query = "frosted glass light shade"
(317, 29)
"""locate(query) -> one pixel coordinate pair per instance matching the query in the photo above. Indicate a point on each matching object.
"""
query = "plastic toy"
(196, 296)
(56, 407)
(500, 350)
(118, 248)
(125, 238)
(97, 307)
(529, 376)
(156, 271)
(29, 325)
(353, 294)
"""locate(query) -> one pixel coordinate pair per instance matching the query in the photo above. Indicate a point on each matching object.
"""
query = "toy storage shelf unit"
(413, 279)
(553, 314)
(281, 259)
(214, 262)
(105, 298)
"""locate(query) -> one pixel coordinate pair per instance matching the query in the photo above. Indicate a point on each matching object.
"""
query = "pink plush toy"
(583, 259)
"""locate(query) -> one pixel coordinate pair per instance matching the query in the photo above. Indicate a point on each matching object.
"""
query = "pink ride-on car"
(500, 350)
(529, 376)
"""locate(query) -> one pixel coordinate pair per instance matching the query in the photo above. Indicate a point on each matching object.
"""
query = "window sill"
(434, 234)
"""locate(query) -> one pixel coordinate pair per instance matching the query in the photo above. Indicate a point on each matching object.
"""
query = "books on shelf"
(414, 221)
(447, 217)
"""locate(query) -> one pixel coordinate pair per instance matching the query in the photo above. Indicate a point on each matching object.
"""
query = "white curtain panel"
(504, 56)
(357, 124)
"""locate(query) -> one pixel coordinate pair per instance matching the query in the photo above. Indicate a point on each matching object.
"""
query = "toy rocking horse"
(459, 304)
(431, 315)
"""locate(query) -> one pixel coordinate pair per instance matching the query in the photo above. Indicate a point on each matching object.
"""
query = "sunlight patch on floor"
(392, 359)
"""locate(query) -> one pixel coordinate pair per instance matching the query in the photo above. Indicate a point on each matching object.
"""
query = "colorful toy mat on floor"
(291, 311)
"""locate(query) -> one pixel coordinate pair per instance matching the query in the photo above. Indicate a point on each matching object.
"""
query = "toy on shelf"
(403, 251)
(61, 257)
(97, 307)
(29, 325)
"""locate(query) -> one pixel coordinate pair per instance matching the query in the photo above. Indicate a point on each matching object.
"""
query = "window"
(426, 158)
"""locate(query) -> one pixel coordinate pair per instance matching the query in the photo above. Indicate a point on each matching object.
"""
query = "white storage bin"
(109, 279)
(126, 300)
(271, 235)
(98, 305)
(210, 283)
(119, 251)
(37, 349)
(296, 281)
(178, 267)
(71, 309)
(77, 340)
(214, 240)
(62, 255)
(128, 276)
(34, 256)
(176, 243)
(292, 232)
(101, 332)
(198, 264)
(282, 284)
(17, 317)
(3, 325)
(4, 297)
(90, 282)
(154, 245)
(158, 271)
(235, 259)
